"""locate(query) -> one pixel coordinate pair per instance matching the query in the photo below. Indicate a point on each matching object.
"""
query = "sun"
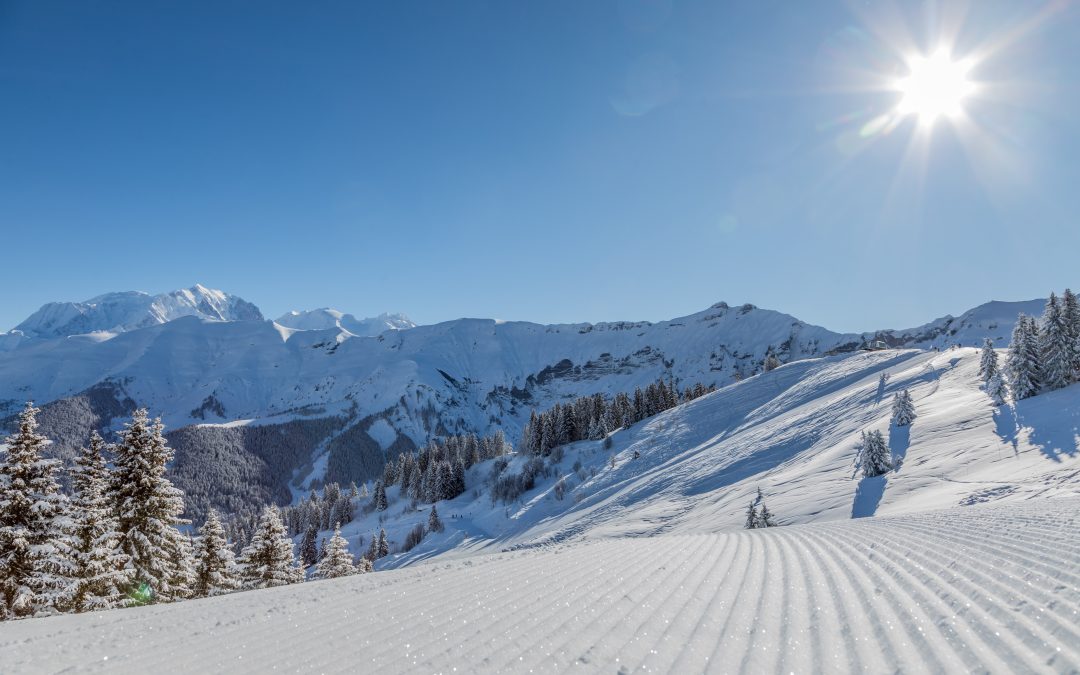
(935, 86)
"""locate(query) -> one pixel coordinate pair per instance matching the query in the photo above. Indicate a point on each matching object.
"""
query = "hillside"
(791, 432)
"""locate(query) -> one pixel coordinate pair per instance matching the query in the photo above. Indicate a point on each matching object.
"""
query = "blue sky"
(551, 161)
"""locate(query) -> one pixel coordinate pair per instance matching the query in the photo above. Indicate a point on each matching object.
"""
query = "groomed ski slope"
(987, 588)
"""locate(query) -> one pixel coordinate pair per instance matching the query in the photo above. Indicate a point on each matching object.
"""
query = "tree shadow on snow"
(1006, 426)
(868, 496)
(1052, 420)
(899, 440)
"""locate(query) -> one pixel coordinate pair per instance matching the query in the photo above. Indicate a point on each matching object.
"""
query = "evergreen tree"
(337, 562)
(268, 560)
(364, 494)
(997, 389)
(35, 555)
(1070, 310)
(416, 484)
(378, 501)
(751, 516)
(215, 566)
(384, 546)
(1055, 349)
(988, 362)
(1023, 358)
(101, 573)
(309, 552)
(875, 458)
(433, 523)
(903, 409)
(765, 517)
(148, 507)
(373, 549)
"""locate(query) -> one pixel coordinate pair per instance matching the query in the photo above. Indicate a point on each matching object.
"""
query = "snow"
(989, 589)
(120, 312)
(382, 432)
(327, 318)
(962, 558)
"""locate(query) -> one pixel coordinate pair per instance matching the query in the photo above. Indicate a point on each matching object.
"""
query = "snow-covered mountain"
(322, 389)
(326, 318)
(131, 310)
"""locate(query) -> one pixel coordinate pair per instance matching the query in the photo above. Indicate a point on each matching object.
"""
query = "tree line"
(594, 417)
(1043, 355)
(116, 540)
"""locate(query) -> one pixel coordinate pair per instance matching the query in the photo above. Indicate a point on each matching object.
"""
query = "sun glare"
(935, 86)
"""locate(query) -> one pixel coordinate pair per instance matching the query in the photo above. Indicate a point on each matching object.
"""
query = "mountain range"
(321, 395)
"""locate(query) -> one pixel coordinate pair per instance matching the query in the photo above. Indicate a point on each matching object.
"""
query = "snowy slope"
(985, 589)
(119, 312)
(790, 432)
(326, 318)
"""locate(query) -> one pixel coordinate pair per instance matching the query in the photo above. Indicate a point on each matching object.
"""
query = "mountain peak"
(129, 310)
(327, 318)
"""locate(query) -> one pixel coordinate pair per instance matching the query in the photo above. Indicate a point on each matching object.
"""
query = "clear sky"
(551, 161)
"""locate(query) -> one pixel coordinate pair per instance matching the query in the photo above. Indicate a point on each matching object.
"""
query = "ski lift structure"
(875, 346)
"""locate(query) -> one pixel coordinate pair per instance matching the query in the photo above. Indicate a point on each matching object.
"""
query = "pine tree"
(309, 552)
(373, 549)
(384, 546)
(1070, 310)
(765, 517)
(1023, 358)
(903, 409)
(337, 562)
(215, 566)
(433, 523)
(181, 577)
(378, 501)
(875, 458)
(751, 516)
(268, 560)
(35, 553)
(101, 574)
(997, 389)
(416, 484)
(988, 362)
(364, 494)
(147, 507)
(1055, 349)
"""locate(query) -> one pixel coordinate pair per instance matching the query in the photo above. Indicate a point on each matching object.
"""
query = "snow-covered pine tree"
(997, 389)
(875, 458)
(35, 562)
(384, 545)
(373, 548)
(215, 565)
(148, 508)
(1054, 347)
(1022, 361)
(433, 523)
(364, 494)
(378, 500)
(765, 517)
(988, 361)
(903, 409)
(751, 516)
(309, 551)
(101, 575)
(268, 560)
(1070, 310)
(337, 562)
(416, 484)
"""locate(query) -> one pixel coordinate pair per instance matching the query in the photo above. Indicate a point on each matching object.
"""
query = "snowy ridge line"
(985, 588)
